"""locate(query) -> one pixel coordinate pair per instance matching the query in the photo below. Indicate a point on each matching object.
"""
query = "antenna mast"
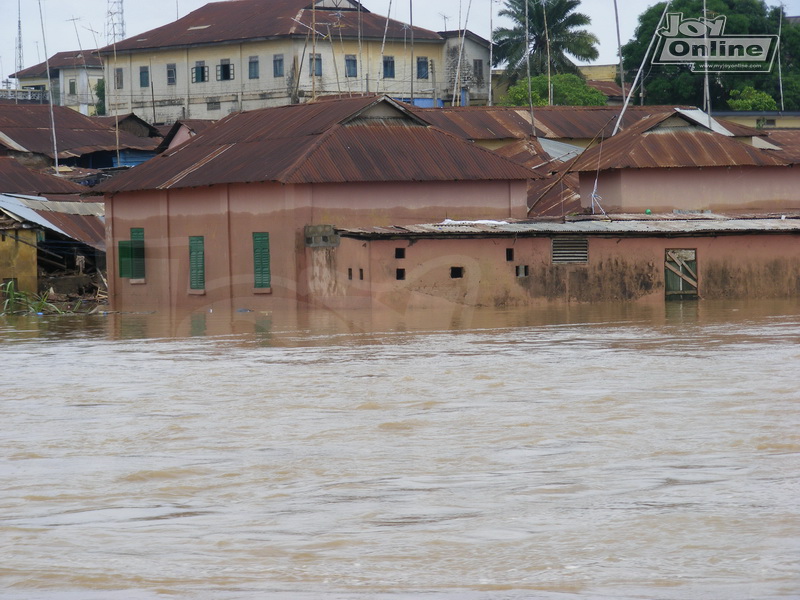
(115, 21)
(20, 63)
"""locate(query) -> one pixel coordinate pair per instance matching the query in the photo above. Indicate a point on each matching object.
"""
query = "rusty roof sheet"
(528, 153)
(555, 196)
(656, 225)
(647, 145)
(789, 142)
(332, 141)
(241, 20)
(132, 118)
(16, 178)
(194, 126)
(26, 128)
(75, 59)
(81, 221)
(610, 89)
(559, 122)
(388, 153)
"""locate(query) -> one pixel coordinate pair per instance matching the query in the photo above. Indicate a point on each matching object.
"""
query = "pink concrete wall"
(227, 216)
(716, 189)
(630, 269)
(423, 202)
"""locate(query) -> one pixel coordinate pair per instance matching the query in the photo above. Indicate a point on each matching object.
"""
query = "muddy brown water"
(576, 452)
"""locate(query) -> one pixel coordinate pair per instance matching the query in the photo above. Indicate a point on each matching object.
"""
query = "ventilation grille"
(570, 251)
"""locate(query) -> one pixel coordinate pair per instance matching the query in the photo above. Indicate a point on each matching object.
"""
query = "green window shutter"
(197, 263)
(137, 253)
(263, 277)
(124, 251)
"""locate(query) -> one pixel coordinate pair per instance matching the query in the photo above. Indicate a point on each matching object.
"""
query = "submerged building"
(233, 215)
(363, 202)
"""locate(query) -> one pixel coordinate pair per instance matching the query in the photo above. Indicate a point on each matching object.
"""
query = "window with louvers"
(568, 250)
(197, 263)
(261, 264)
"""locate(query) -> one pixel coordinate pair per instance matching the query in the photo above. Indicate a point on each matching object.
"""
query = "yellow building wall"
(18, 259)
(599, 72)
(774, 121)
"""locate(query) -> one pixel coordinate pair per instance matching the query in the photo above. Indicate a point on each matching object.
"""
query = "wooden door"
(680, 275)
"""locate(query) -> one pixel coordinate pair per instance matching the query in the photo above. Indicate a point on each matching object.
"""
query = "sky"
(62, 33)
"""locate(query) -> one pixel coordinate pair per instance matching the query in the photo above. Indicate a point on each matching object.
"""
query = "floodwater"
(614, 452)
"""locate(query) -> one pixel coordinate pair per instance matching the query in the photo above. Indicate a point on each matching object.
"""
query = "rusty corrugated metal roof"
(622, 225)
(555, 196)
(194, 126)
(240, 20)
(789, 142)
(559, 122)
(610, 89)
(332, 141)
(649, 147)
(16, 178)
(386, 153)
(132, 120)
(75, 59)
(26, 128)
(81, 221)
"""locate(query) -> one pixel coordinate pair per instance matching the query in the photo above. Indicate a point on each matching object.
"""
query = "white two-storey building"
(72, 79)
(244, 54)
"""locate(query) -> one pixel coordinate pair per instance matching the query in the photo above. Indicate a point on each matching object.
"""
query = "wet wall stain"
(611, 279)
(732, 278)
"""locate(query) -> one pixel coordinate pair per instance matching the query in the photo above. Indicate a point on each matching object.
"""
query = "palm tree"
(565, 37)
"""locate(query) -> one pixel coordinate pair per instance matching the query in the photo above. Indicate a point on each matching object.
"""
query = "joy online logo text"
(702, 44)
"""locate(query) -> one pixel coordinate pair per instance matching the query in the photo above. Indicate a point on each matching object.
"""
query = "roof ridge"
(288, 172)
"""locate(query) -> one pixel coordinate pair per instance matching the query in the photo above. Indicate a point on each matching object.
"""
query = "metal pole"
(50, 92)
(778, 50)
(413, 69)
(547, 44)
(491, 49)
(528, 65)
(706, 86)
(641, 68)
(619, 45)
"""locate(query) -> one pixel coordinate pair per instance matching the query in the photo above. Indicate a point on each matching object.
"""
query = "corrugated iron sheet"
(385, 153)
(560, 122)
(223, 22)
(610, 89)
(195, 126)
(18, 179)
(647, 147)
(130, 123)
(75, 59)
(308, 144)
(28, 126)
(555, 196)
(81, 221)
(789, 142)
(655, 226)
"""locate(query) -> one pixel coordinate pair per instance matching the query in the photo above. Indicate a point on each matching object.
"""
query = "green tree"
(566, 38)
(568, 90)
(100, 91)
(678, 84)
(751, 99)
